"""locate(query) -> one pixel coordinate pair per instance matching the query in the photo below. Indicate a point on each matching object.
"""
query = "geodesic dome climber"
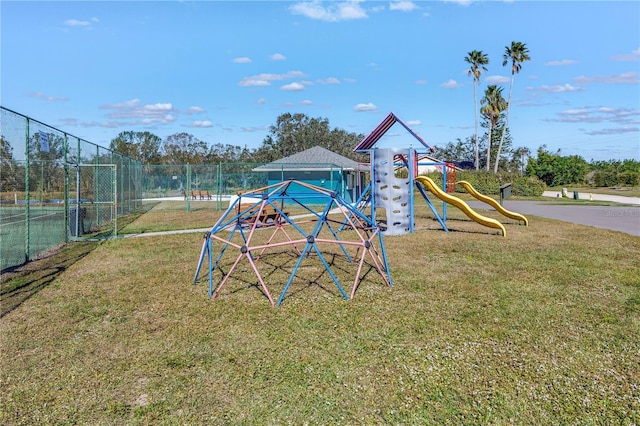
(260, 238)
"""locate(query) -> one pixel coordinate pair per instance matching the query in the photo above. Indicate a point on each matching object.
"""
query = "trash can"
(505, 192)
(576, 196)
(76, 224)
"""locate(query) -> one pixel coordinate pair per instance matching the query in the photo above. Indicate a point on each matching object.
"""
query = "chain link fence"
(216, 183)
(55, 188)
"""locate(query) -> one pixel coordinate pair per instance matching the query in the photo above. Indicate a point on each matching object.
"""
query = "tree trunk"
(489, 144)
(506, 124)
(475, 102)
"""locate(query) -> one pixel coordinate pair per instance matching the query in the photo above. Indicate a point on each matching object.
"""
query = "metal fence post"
(188, 188)
(66, 186)
(27, 200)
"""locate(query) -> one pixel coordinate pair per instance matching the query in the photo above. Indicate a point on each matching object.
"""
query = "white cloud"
(633, 56)
(330, 80)
(77, 23)
(153, 108)
(254, 128)
(196, 110)
(158, 113)
(614, 131)
(293, 87)
(204, 123)
(265, 79)
(365, 107)
(561, 88)
(306, 102)
(624, 78)
(622, 116)
(334, 12)
(460, 2)
(242, 60)
(261, 101)
(497, 79)
(561, 63)
(414, 123)
(404, 6)
(451, 84)
(126, 104)
(278, 57)
(45, 97)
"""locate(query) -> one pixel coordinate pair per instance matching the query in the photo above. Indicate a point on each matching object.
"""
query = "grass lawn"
(539, 327)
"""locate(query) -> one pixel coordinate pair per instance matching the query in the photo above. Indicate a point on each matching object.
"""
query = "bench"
(268, 215)
(201, 194)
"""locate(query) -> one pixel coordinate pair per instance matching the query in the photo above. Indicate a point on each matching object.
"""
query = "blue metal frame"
(233, 220)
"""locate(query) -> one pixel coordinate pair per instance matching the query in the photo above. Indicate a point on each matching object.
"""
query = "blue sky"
(224, 71)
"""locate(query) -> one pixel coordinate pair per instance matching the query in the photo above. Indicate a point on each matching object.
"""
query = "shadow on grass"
(311, 275)
(19, 283)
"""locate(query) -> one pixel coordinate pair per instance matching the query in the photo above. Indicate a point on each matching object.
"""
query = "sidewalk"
(596, 197)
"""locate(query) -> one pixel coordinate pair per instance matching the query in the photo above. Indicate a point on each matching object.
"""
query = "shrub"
(489, 183)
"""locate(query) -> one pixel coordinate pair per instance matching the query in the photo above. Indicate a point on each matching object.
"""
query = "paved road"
(617, 218)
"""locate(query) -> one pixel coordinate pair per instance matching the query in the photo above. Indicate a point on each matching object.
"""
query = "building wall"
(331, 180)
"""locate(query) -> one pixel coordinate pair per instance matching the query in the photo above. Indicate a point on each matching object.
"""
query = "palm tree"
(478, 60)
(494, 105)
(517, 53)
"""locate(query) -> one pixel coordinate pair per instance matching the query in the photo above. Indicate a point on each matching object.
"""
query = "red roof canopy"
(391, 119)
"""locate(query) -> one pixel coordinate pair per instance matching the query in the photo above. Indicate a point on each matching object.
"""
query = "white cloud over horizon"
(265, 79)
(403, 6)
(633, 56)
(365, 107)
(334, 12)
(203, 123)
(451, 84)
(630, 77)
(561, 63)
(293, 87)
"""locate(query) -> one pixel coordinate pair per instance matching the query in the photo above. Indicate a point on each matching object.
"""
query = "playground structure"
(493, 203)
(463, 206)
(258, 223)
(394, 193)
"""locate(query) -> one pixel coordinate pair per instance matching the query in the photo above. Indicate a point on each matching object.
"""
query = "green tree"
(45, 165)
(8, 167)
(492, 109)
(142, 146)
(555, 169)
(518, 160)
(457, 151)
(517, 53)
(478, 60)
(184, 148)
(294, 133)
(615, 172)
(225, 153)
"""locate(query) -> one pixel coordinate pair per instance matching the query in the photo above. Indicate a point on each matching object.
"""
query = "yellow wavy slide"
(493, 203)
(486, 221)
